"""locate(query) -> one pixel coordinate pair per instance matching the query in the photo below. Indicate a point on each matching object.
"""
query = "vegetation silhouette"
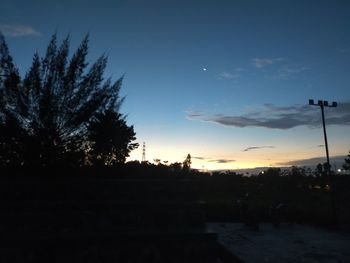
(110, 138)
(55, 115)
(186, 165)
(346, 165)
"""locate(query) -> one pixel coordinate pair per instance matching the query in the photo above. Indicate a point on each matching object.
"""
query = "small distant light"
(339, 170)
(204, 69)
(262, 172)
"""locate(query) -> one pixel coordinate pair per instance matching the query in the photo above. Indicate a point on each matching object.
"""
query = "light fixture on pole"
(322, 104)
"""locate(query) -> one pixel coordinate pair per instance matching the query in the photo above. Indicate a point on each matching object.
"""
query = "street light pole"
(323, 104)
(325, 135)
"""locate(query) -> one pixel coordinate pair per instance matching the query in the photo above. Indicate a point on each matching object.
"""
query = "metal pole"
(328, 171)
(325, 137)
(322, 104)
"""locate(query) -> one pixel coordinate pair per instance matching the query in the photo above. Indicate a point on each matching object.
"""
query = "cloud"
(198, 157)
(337, 160)
(284, 70)
(227, 75)
(222, 161)
(211, 160)
(344, 50)
(18, 30)
(263, 62)
(234, 74)
(257, 147)
(275, 117)
(287, 71)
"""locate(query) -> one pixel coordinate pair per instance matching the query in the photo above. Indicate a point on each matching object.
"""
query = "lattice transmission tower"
(144, 152)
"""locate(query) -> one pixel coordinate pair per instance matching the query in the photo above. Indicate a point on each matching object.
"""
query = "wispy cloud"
(222, 161)
(18, 30)
(284, 70)
(227, 75)
(338, 160)
(198, 157)
(234, 74)
(212, 160)
(263, 62)
(344, 50)
(275, 117)
(288, 71)
(257, 147)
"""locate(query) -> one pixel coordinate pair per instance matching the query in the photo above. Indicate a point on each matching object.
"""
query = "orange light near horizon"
(220, 163)
(210, 166)
(205, 160)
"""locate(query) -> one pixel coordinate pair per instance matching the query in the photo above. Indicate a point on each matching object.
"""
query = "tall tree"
(48, 112)
(10, 129)
(186, 165)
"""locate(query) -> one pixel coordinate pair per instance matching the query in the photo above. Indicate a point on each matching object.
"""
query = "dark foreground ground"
(103, 216)
(292, 243)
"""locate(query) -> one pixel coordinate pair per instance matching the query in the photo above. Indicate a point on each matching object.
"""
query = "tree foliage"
(186, 165)
(110, 136)
(346, 164)
(44, 117)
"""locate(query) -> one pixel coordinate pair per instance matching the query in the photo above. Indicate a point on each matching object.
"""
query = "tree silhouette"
(346, 165)
(157, 161)
(319, 170)
(44, 117)
(175, 167)
(186, 165)
(110, 139)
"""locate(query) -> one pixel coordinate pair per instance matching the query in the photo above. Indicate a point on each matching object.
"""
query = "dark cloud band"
(222, 161)
(283, 118)
(213, 160)
(257, 148)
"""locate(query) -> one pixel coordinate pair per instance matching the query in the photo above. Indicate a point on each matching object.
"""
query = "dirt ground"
(290, 243)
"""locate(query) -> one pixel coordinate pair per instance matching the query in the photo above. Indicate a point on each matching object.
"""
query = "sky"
(225, 81)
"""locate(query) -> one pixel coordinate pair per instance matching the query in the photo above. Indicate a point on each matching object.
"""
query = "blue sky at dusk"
(226, 81)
